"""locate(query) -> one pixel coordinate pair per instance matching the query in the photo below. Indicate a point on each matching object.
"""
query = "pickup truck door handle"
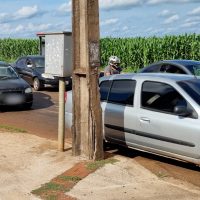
(144, 119)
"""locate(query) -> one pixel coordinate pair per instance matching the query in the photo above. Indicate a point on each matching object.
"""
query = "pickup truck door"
(120, 98)
(160, 128)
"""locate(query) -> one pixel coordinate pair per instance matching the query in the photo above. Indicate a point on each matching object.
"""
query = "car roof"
(150, 76)
(3, 64)
(31, 56)
(35, 56)
(180, 62)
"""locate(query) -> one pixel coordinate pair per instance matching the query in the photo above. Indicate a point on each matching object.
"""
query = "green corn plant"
(134, 53)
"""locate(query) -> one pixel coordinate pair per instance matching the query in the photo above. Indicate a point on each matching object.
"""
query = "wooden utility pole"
(87, 117)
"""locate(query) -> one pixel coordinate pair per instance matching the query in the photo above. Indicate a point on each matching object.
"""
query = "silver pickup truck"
(157, 113)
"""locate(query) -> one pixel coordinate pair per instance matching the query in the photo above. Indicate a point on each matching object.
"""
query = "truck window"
(171, 69)
(122, 92)
(161, 97)
(104, 89)
(21, 63)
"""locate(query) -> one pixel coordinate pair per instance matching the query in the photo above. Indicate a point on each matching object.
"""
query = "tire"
(105, 145)
(28, 106)
(37, 85)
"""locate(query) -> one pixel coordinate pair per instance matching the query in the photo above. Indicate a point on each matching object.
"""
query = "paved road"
(42, 120)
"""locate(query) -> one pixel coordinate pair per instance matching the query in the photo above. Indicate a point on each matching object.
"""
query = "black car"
(190, 67)
(32, 69)
(14, 91)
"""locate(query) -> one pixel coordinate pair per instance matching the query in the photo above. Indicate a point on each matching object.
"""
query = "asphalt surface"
(42, 120)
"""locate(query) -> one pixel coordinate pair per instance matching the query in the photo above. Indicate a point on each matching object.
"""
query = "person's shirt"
(109, 70)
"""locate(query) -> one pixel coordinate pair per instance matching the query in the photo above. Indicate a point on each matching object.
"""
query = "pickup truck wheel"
(37, 85)
(105, 145)
(28, 106)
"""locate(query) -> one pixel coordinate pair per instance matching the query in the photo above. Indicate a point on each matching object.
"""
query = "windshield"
(7, 72)
(195, 69)
(192, 87)
(38, 62)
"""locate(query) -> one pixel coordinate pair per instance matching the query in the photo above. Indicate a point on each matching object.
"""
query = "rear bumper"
(55, 82)
(14, 99)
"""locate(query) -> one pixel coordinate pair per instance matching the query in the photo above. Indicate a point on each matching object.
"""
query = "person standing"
(113, 66)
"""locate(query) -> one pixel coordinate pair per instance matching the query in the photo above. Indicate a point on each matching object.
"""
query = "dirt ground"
(28, 161)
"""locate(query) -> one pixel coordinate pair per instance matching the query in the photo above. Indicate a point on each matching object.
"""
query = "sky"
(117, 18)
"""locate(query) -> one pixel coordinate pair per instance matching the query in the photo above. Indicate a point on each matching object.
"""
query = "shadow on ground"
(132, 153)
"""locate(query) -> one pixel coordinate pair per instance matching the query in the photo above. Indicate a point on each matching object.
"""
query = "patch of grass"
(49, 187)
(162, 175)
(70, 178)
(97, 164)
(12, 129)
(51, 197)
(63, 183)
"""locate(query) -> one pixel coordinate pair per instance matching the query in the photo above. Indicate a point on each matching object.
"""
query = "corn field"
(11, 49)
(138, 52)
(134, 53)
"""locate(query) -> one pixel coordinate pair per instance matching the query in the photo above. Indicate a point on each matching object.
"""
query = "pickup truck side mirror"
(29, 65)
(182, 111)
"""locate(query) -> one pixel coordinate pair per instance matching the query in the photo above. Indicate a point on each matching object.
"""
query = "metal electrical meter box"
(58, 54)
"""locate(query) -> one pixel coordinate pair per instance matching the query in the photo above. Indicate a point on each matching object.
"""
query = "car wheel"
(28, 106)
(37, 85)
(106, 145)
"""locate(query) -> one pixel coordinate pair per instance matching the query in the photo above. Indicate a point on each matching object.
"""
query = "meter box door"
(58, 54)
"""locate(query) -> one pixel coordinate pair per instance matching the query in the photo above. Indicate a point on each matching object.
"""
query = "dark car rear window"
(38, 61)
(194, 69)
(7, 72)
(192, 87)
